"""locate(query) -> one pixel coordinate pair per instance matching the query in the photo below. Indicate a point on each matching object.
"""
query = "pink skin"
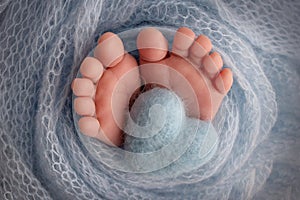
(96, 90)
(192, 59)
(103, 93)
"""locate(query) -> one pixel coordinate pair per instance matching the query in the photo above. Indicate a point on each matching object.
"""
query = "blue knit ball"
(162, 139)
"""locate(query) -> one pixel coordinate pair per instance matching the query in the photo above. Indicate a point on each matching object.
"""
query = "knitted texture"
(43, 157)
(166, 137)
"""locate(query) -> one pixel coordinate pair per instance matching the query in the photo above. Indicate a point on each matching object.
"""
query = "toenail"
(105, 36)
(151, 38)
(209, 64)
(217, 59)
(110, 51)
(186, 31)
(219, 84)
(224, 81)
(197, 52)
(152, 45)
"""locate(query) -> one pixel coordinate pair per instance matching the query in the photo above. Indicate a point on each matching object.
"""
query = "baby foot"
(96, 90)
(190, 58)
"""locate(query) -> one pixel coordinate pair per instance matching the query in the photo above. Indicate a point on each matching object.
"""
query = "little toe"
(183, 40)
(83, 87)
(91, 68)
(212, 64)
(89, 126)
(110, 50)
(200, 48)
(224, 80)
(152, 45)
(84, 106)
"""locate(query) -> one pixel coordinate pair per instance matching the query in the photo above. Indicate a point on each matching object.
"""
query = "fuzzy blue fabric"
(166, 138)
(43, 156)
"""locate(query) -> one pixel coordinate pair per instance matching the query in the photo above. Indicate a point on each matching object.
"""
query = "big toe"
(91, 68)
(110, 50)
(152, 45)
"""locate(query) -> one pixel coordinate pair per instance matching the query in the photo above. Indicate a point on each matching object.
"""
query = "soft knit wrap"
(42, 44)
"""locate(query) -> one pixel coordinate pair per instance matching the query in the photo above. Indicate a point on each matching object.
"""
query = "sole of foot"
(191, 58)
(104, 90)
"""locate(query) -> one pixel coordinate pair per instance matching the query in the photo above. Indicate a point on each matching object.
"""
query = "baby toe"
(201, 47)
(91, 68)
(224, 80)
(110, 50)
(212, 64)
(183, 39)
(84, 106)
(83, 87)
(89, 126)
